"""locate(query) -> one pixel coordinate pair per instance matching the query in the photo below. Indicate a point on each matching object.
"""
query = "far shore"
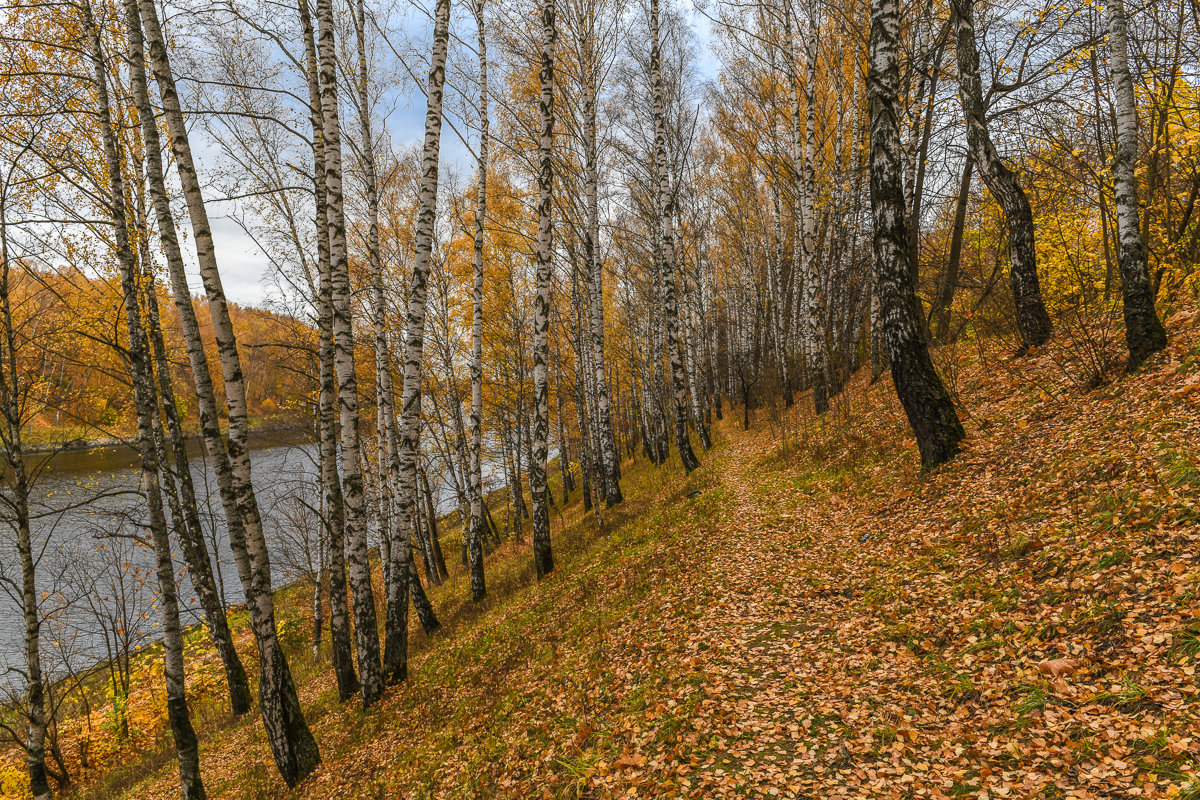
(49, 445)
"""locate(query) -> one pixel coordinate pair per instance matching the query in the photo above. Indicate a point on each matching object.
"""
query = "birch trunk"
(1033, 322)
(564, 452)
(1144, 334)
(354, 502)
(34, 743)
(692, 366)
(382, 504)
(191, 536)
(581, 404)
(945, 298)
(406, 541)
(435, 547)
(292, 745)
(592, 433)
(384, 413)
(774, 265)
(340, 640)
(804, 281)
(395, 657)
(926, 401)
(543, 558)
(187, 521)
(475, 477)
(813, 294)
(143, 387)
(666, 215)
(609, 460)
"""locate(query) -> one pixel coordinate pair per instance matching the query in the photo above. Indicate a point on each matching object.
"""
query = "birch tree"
(192, 541)
(14, 388)
(395, 657)
(665, 207)
(1033, 321)
(292, 744)
(1144, 334)
(186, 746)
(543, 558)
(591, 38)
(475, 466)
(926, 402)
(354, 502)
(334, 523)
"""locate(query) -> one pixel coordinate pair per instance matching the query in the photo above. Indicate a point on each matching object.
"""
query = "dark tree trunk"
(945, 298)
(925, 399)
(1033, 321)
(425, 613)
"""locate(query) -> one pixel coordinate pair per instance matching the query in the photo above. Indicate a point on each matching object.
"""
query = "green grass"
(480, 661)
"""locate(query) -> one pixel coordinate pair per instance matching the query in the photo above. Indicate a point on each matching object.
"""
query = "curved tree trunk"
(945, 298)
(435, 548)
(925, 399)
(145, 401)
(34, 743)
(292, 744)
(191, 536)
(1033, 321)
(181, 493)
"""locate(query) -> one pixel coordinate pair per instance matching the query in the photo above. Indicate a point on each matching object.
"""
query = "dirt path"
(772, 633)
(852, 644)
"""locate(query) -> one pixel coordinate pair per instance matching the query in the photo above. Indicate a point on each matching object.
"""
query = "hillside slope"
(811, 619)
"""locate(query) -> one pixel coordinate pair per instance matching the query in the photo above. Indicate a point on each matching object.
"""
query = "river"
(95, 572)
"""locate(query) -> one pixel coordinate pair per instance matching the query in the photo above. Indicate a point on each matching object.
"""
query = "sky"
(244, 269)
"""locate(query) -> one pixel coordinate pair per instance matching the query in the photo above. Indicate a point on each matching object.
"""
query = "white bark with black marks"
(1144, 333)
(141, 375)
(666, 215)
(11, 392)
(340, 639)
(395, 656)
(1033, 322)
(610, 462)
(475, 467)
(191, 537)
(292, 744)
(543, 558)
(354, 501)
